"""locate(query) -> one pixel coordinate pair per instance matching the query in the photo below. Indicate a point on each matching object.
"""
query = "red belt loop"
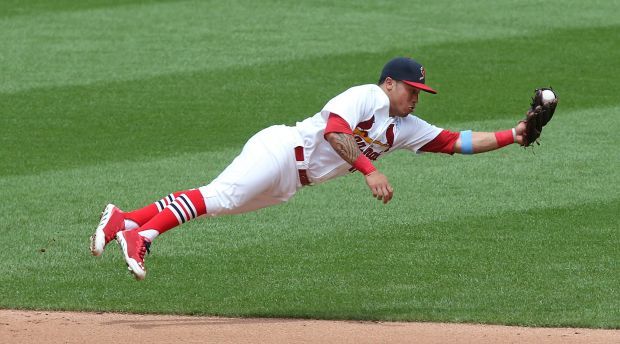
(303, 177)
(303, 173)
(299, 153)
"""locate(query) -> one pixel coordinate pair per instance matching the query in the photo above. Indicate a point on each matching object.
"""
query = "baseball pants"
(264, 174)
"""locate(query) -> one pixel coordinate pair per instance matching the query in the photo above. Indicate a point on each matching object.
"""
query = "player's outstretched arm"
(479, 142)
(345, 146)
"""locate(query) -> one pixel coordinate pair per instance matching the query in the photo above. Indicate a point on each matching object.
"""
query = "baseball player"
(352, 130)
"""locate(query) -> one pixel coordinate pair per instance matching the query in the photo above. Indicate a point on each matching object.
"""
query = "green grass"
(213, 110)
(91, 116)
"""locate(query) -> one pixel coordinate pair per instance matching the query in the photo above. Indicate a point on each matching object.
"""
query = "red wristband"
(504, 138)
(363, 164)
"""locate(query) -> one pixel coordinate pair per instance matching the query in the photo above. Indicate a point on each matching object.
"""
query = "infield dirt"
(18, 326)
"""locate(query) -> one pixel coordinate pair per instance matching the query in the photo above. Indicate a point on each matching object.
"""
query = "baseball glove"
(540, 113)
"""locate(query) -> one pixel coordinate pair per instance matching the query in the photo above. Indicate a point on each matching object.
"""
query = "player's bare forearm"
(487, 141)
(344, 145)
(481, 142)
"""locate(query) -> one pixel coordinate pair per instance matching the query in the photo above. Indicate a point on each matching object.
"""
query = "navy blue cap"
(408, 71)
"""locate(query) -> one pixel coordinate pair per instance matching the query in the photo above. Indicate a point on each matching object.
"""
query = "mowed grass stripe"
(38, 9)
(570, 166)
(208, 111)
(576, 158)
(485, 269)
(124, 40)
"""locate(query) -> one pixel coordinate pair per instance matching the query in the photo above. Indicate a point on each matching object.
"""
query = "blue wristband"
(467, 145)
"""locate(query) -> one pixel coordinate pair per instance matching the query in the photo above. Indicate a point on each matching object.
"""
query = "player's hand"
(380, 187)
(520, 130)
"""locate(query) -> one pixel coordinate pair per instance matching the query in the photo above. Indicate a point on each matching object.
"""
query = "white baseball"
(547, 96)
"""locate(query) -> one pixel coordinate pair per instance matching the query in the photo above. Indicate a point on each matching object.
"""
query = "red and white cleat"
(134, 246)
(112, 221)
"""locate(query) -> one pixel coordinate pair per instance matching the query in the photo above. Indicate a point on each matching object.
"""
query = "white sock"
(150, 234)
(130, 225)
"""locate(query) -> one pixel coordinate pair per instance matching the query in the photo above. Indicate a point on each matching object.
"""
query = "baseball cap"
(408, 71)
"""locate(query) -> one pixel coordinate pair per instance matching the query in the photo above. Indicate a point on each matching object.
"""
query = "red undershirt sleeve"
(443, 143)
(336, 124)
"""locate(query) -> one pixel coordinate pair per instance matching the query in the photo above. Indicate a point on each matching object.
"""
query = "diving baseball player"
(353, 129)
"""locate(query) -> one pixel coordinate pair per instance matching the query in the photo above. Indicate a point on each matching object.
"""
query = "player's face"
(403, 98)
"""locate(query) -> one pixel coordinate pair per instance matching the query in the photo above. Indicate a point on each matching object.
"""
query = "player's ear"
(389, 83)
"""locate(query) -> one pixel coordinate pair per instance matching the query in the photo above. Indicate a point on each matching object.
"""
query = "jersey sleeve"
(416, 133)
(357, 104)
(443, 143)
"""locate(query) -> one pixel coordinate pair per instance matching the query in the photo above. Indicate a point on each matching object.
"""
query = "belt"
(302, 166)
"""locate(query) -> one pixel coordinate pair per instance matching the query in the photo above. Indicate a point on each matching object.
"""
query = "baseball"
(547, 96)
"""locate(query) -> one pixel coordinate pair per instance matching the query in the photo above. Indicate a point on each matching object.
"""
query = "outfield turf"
(125, 102)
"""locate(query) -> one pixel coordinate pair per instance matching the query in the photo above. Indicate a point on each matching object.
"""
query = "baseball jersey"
(366, 109)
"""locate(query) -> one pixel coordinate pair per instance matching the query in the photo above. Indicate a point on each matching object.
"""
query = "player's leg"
(135, 243)
(113, 220)
(263, 174)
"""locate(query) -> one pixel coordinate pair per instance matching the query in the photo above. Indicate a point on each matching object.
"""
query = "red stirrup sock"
(188, 205)
(143, 215)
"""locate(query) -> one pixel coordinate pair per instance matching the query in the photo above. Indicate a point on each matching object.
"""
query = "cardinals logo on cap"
(423, 73)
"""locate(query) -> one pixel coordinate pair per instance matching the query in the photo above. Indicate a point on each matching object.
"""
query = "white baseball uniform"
(267, 172)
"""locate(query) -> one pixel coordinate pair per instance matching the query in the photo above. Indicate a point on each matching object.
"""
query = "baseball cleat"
(112, 221)
(134, 246)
